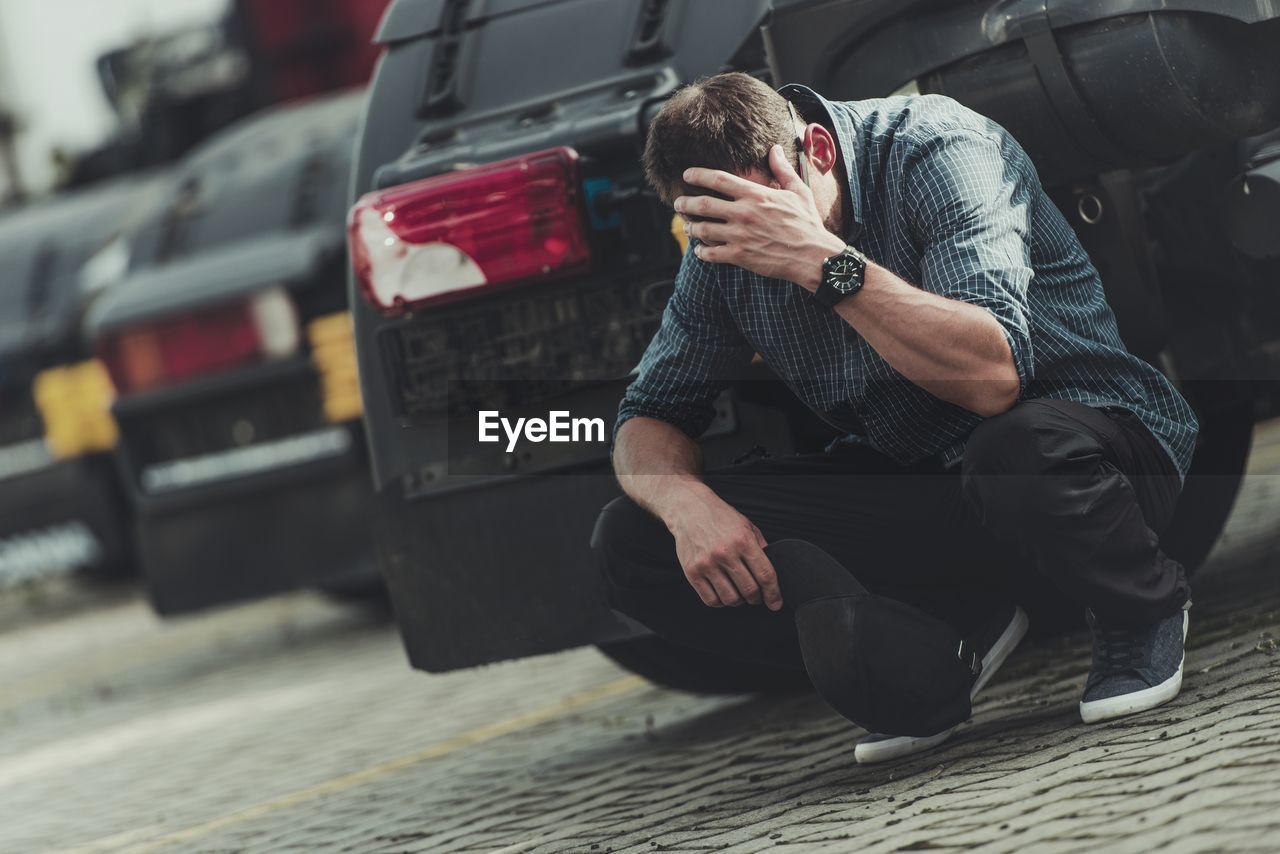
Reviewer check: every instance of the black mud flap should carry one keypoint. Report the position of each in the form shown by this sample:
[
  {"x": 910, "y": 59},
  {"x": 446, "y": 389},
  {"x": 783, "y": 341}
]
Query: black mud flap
[
  {"x": 307, "y": 533},
  {"x": 505, "y": 571}
]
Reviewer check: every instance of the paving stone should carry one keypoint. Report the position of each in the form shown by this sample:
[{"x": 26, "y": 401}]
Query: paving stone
[{"x": 285, "y": 726}]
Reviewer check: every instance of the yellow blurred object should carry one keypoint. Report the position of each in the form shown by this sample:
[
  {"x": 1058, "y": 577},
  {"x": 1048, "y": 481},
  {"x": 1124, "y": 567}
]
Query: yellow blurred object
[
  {"x": 677, "y": 231},
  {"x": 333, "y": 350},
  {"x": 75, "y": 403}
]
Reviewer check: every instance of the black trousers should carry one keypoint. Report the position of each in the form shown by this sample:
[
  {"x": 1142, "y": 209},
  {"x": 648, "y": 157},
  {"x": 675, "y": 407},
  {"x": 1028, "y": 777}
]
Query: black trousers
[{"x": 1053, "y": 500}]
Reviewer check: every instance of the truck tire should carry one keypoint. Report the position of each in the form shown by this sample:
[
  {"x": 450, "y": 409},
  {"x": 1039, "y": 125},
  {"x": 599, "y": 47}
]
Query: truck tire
[
  {"x": 1212, "y": 484},
  {"x": 698, "y": 672}
]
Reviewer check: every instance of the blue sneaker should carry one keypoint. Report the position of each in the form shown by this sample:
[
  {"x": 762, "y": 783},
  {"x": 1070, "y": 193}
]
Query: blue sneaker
[
  {"x": 995, "y": 640},
  {"x": 1134, "y": 669}
]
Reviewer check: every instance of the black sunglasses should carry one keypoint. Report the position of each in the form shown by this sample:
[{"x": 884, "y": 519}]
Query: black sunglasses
[{"x": 800, "y": 159}]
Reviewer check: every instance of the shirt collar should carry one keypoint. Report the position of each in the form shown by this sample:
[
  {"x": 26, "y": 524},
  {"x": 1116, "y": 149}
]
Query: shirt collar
[{"x": 816, "y": 108}]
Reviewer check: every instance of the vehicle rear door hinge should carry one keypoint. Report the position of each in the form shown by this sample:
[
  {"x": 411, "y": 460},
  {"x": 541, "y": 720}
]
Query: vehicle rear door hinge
[
  {"x": 443, "y": 91},
  {"x": 650, "y": 41}
]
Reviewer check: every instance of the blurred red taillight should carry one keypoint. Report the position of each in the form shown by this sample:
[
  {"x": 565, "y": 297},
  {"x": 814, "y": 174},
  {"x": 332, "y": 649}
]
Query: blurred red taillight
[
  {"x": 215, "y": 339},
  {"x": 516, "y": 221}
]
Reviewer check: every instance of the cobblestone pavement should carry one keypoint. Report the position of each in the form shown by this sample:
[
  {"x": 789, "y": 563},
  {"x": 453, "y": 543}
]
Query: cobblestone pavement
[{"x": 295, "y": 724}]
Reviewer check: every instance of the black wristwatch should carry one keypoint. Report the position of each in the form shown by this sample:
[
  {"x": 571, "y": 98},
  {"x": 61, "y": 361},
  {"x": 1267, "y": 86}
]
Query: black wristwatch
[{"x": 842, "y": 277}]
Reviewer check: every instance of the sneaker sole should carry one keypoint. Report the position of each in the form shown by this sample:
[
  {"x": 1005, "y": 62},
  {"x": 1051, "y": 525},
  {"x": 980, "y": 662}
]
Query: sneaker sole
[
  {"x": 872, "y": 752},
  {"x": 1096, "y": 711}
]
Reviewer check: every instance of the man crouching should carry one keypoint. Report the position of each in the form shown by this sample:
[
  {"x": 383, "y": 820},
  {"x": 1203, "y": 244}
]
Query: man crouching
[{"x": 898, "y": 264}]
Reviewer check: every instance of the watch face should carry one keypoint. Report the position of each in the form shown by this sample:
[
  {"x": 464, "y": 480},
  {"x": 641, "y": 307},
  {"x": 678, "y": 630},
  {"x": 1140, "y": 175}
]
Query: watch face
[
  {"x": 843, "y": 267},
  {"x": 843, "y": 273}
]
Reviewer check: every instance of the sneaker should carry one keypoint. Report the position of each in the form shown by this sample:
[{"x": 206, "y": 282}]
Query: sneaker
[
  {"x": 1134, "y": 669},
  {"x": 996, "y": 639}
]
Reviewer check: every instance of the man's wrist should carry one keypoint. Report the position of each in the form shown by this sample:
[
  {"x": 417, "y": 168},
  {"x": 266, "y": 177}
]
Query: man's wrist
[
  {"x": 685, "y": 494},
  {"x": 809, "y": 260}
]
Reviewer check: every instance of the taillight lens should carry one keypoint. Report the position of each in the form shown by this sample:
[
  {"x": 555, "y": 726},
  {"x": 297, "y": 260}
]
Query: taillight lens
[
  {"x": 516, "y": 221},
  {"x": 215, "y": 339}
]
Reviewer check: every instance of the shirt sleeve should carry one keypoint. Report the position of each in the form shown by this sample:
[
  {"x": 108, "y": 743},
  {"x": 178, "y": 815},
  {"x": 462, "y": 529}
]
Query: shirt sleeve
[
  {"x": 969, "y": 202},
  {"x": 692, "y": 358}
]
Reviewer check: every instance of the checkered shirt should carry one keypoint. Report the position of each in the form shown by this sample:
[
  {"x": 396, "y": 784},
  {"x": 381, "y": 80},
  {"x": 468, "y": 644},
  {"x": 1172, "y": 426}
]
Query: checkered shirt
[{"x": 947, "y": 200}]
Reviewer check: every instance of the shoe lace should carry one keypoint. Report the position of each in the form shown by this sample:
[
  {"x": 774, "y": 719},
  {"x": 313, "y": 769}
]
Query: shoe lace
[{"x": 1118, "y": 650}]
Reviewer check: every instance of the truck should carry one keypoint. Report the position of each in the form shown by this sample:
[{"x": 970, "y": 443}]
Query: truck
[
  {"x": 229, "y": 349},
  {"x": 61, "y": 506},
  {"x": 171, "y": 91},
  {"x": 507, "y": 255}
]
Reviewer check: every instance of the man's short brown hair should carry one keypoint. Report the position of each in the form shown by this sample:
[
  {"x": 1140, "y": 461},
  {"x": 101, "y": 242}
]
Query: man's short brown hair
[{"x": 727, "y": 122}]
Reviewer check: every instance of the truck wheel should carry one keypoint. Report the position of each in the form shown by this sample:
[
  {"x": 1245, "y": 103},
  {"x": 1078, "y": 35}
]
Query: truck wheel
[
  {"x": 697, "y": 672},
  {"x": 1209, "y": 493}
]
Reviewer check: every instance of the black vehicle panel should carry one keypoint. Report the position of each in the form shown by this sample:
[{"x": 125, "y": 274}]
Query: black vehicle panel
[
  {"x": 1085, "y": 86},
  {"x": 597, "y": 103},
  {"x": 43, "y": 249},
  {"x": 494, "y": 568}
]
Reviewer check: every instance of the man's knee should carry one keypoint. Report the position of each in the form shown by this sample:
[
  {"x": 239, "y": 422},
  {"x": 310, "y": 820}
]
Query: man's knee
[
  {"x": 1014, "y": 464},
  {"x": 630, "y": 543},
  {"x": 619, "y": 524},
  {"x": 1015, "y": 442}
]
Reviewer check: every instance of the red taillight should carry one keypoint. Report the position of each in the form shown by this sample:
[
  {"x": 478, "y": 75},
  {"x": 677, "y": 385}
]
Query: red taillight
[
  {"x": 515, "y": 221},
  {"x": 216, "y": 339}
]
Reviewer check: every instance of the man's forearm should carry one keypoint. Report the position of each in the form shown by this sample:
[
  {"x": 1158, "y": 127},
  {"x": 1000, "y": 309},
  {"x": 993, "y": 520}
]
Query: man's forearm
[
  {"x": 720, "y": 550},
  {"x": 951, "y": 349},
  {"x": 955, "y": 351},
  {"x": 658, "y": 467}
]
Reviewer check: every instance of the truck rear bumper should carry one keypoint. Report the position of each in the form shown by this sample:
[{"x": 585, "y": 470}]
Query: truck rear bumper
[
  {"x": 504, "y": 570},
  {"x": 306, "y": 526},
  {"x": 61, "y": 517}
]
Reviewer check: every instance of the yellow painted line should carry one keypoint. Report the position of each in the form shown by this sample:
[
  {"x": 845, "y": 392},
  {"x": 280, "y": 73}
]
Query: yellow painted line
[
  {"x": 110, "y": 843},
  {"x": 333, "y": 786}
]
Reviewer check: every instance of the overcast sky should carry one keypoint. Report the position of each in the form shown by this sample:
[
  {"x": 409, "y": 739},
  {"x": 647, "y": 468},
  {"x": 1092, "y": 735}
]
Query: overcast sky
[{"x": 47, "y": 76}]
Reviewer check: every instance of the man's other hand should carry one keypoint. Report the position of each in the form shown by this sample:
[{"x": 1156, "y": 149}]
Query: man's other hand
[{"x": 722, "y": 554}]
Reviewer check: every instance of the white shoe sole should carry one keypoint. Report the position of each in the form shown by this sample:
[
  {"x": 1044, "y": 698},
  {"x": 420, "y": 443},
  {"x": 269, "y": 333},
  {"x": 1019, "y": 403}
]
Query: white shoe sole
[
  {"x": 1096, "y": 711},
  {"x": 884, "y": 750}
]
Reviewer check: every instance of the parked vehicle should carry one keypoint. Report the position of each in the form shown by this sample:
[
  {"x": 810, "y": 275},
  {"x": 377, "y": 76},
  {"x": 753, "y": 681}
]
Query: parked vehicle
[
  {"x": 229, "y": 346},
  {"x": 61, "y": 506},
  {"x": 171, "y": 91},
  {"x": 498, "y": 138},
  {"x": 61, "y": 503}
]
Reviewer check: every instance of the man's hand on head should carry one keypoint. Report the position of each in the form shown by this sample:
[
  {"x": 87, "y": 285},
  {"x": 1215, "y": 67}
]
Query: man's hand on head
[{"x": 776, "y": 232}]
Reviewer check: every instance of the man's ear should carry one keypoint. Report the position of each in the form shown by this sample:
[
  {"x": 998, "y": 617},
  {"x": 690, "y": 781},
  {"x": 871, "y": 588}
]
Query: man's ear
[{"x": 821, "y": 146}]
